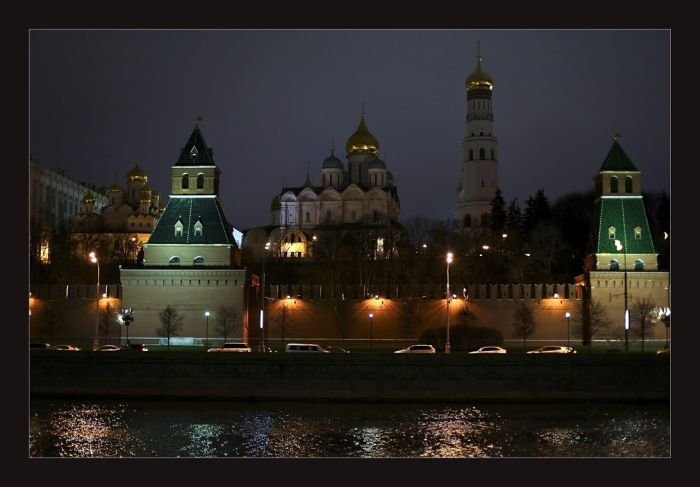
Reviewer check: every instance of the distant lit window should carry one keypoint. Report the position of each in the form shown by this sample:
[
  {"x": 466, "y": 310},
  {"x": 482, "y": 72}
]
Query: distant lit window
[
  {"x": 613, "y": 184},
  {"x": 611, "y": 233},
  {"x": 637, "y": 233}
]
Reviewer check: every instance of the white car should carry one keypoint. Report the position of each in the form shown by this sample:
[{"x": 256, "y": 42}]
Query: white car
[
  {"x": 418, "y": 348},
  {"x": 108, "y": 348},
  {"x": 231, "y": 347},
  {"x": 65, "y": 348},
  {"x": 490, "y": 349},
  {"x": 553, "y": 349}
]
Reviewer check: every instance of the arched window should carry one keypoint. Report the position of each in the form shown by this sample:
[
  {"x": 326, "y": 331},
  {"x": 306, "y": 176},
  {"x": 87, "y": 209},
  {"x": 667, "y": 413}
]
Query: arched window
[
  {"x": 485, "y": 220},
  {"x": 471, "y": 154},
  {"x": 198, "y": 228},
  {"x": 611, "y": 233},
  {"x": 328, "y": 216},
  {"x": 199, "y": 260},
  {"x": 185, "y": 181},
  {"x": 467, "y": 221},
  {"x": 493, "y": 155},
  {"x": 637, "y": 233},
  {"x": 306, "y": 217},
  {"x": 174, "y": 260},
  {"x": 200, "y": 181},
  {"x": 628, "y": 184},
  {"x": 614, "y": 265},
  {"x": 639, "y": 265},
  {"x": 613, "y": 184},
  {"x": 482, "y": 153}
]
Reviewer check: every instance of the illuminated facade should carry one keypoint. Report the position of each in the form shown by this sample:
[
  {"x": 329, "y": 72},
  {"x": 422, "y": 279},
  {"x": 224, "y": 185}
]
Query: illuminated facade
[
  {"x": 360, "y": 192},
  {"x": 479, "y": 180}
]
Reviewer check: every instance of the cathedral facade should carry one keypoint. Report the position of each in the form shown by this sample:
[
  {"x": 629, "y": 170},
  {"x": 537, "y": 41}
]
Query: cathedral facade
[{"x": 359, "y": 192}]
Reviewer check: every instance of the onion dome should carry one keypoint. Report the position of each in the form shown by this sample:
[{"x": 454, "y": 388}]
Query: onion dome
[
  {"x": 362, "y": 141},
  {"x": 275, "y": 205},
  {"x": 332, "y": 162},
  {"x": 115, "y": 188},
  {"x": 377, "y": 163},
  {"x": 136, "y": 174},
  {"x": 88, "y": 198},
  {"x": 479, "y": 79}
]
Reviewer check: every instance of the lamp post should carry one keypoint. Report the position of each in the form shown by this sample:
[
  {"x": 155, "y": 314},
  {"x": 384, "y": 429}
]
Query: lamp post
[
  {"x": 127, "y": 317},
  {"x": 568, "y": 328},
  {"x": 619, "y": 246},
  {"x": 262, "y": 304},
  {"x": 206, "y": 339},
  {"x": 96, "y": 339},
  {"x": 371, "y": 317},
  {"x": 448, "y": 259}
]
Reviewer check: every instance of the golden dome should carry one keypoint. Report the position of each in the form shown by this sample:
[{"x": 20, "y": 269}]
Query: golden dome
[
  {"x": 136, "y": 173},
  {"x": 115, "y": 187},
  {"x": 479, "y": 78},
  {"x": 88, "y": 198},
  {"x": 362, "y": 141}
]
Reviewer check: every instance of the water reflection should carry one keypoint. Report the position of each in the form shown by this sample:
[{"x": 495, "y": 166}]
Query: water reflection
[{"x": 206, "y": 429}]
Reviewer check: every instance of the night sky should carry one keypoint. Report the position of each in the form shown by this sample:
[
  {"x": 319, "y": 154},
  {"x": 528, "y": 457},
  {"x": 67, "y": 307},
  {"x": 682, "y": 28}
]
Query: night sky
[{"x": 273, "y": 100}]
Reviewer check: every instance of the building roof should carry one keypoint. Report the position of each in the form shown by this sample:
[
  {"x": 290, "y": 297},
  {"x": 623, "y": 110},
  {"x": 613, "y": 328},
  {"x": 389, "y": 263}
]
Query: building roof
[
  {"x": 136, "y": 173},
  {"x": 332, "y": 162},
  {"x": 624, "y": 214},
  {"x": 216, "y": 229},
  {"x": 617, "y": 160},
  {"x": 479, "y": 78},
  {"x": 195, "y": 152},
  {"x": 362, "y": 140}
]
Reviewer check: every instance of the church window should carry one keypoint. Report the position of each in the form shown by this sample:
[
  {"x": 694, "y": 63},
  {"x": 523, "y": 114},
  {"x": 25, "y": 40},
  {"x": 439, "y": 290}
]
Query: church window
[
  {"x": 185, "y": 181},
  {"x": 628, "y": 184},
  {"x": 174, "y": 260},
  {"x": 200, "y": 181},
  {"x": 482, "y": 154},
  {"x": 613, "y": 184},
  {"x": 199, "y": 260},
  {"x": 637, "y": 233},
  {"x": 471, "y": 154},
  {"x": 306, "y": 217},
  {"x": 198, "y": 228},
  {"x": 639, "y": 265},
  {"x": 611, "y": 233}
]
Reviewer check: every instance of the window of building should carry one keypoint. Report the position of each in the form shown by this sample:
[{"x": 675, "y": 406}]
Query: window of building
[
  {"x": 353, "y": 216},
  {"x": 200, "y": 181},
  {"x": 637, "y": 233},
  {"x": 485, "y": 220},
  {"x": 198, "y": 228},
  {"x": 328, "y": 216},
  {"x": 185, "y": 181},
  {"x": 639, "y": 265},
  {"x": 471, "y": 154},
  {"x": 178, "y": 228},
  {"x": 376, "y": 216},
  {"x": 493, "y": 155},
  {"x": 307, "y": 217},
  {"x": 613, "y": 184},
  {"x": 614, "y": 265},
  {"x": 199, "y": 260},
  {"x": 611, "y": 233},
  {"x": 482, "y": 153},
  {"x": 175, "y": 260},
  {"x": 628, "y": 184},
  {"x": 481, "y": 134}
]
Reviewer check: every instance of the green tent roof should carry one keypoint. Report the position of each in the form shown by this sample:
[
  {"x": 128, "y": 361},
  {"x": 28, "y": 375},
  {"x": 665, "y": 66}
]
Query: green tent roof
[
  {"x": 196, "y": 152},
  {"x": 617, "y": 160},
  {"x": 215, "y": 227},
  {"x": 624, "y": 214}
]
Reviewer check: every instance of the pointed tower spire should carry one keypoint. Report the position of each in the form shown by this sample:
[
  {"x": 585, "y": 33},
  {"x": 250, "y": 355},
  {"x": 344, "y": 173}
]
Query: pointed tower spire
[
  {"x": 478, "y": 51},
  {"x": 198, "y": 120},
  {"x": 307, "y": 183},
  {"x": 617, "y": 136},
  {"x": 332, "y": 146}
]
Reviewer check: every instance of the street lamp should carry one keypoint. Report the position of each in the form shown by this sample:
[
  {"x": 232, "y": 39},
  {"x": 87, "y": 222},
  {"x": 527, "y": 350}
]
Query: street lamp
[
  {"x": 371, "y": 316},
  {"x": 568, "y": 328},
  {"x": 206, "y": 340},
  {"x": 619, "y": 246},
  {"x": 95, "y": 340},
  {"x": 262, "y": 305},
  {"x": 126, "y": 318},
  {"x": 448, "y": 348}
]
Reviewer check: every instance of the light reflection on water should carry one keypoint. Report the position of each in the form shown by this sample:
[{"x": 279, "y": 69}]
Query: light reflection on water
[{"x": 216, "y": 429}]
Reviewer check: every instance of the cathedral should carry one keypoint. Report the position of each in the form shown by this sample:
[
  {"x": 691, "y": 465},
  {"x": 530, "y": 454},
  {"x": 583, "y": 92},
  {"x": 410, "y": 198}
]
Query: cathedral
[
  {"x": 479, "y": 180},
  {"x": 359, "y": 192}
]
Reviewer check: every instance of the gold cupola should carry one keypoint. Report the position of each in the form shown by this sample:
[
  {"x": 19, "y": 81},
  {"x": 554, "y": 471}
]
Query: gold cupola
[
  {"x": 479, "y": 79},
  {"x": 136, "y": 174},
  {"x": 362, "y": 141}
]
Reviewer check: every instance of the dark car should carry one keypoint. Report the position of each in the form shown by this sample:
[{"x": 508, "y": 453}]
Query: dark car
[
  {"x": 39, "y": 346},
  {"x": 136, "y": 347}
]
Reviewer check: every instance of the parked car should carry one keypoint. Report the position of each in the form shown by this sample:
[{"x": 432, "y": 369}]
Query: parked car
[
  {"x": 135, "y": 347},
  {"x": 305, "y": 347},
  {"x": 231, "y": 347},
  {"x": 39, "y": 346},
  {"x": 418, "y": 348},
  {"x": 108, "y": 348},
  {"x": 490, "y": 349},
  {"x": 553, "y": 349},
  {"x": 337, "y": 350},
  {"x": 664, "y": 351},
  {"x": 65, "y": 348}
]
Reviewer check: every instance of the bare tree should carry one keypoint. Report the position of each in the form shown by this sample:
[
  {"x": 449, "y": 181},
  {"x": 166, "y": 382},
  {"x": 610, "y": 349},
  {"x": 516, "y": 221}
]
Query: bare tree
[
  {"x": 599, "y": 321},
  {"x": 226, "y": 319},
  {"x": 341, "y": 310},
  {"x": 643, "y": 311},
  {"x": 523, "y": 321},
  {"x": 108, "y": 322},
  {"x": 408, "y": 316},
  {"x": 171, "y": 322}
]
